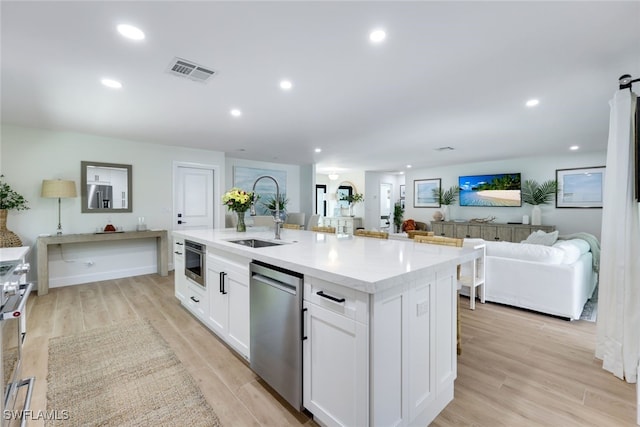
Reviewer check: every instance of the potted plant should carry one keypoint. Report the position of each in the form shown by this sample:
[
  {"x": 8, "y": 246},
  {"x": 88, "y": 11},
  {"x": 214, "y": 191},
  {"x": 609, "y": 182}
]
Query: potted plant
[
  {"x": 398, "y": 213},
  {"x": 270, "y": 205},
  {"x": 446, "y": 198},
  {"x": 536, "y": 194},
  {"x": 9, "y": 200},
  {"x": 353, "y": 199}
]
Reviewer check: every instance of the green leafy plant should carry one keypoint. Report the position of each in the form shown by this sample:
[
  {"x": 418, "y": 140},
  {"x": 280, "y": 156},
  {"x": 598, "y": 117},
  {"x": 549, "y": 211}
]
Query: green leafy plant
[
  {"x": 353, "y": 198},
  {"x": 398, "y": 213},
  {"x": 446, "y": 197},
  {"x": 270, "y": 202},
  {"x": 9, "y": 199},
  {"x": 538, "y": 194}
]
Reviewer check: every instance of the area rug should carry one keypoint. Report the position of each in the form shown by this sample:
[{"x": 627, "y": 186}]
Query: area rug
[
  {"x": 121, "y": 375},
  {"x": 590, "y": 311}
]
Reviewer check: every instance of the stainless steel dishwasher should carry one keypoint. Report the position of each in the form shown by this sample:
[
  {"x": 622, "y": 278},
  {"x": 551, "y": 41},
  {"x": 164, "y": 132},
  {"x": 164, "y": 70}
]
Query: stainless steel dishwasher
[{"x": 276, "y": 329}]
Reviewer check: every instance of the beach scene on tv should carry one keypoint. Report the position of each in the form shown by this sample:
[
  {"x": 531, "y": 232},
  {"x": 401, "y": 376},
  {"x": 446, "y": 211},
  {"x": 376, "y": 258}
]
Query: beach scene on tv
[{"x": 490, "y": 190}]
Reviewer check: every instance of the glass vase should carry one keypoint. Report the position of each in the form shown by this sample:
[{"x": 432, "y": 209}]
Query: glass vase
[{"x": 240, "y": 225}]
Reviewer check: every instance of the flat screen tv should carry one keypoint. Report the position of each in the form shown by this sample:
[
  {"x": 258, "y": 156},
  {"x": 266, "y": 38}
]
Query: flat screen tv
[{"x": 500, "y": 189}]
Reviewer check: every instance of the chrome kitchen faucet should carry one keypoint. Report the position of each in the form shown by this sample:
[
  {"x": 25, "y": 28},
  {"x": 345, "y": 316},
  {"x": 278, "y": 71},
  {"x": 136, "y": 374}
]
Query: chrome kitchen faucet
[{"x": 276, "y": 218}]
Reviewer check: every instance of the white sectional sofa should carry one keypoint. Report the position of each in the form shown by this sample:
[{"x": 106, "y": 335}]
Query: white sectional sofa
[{"x": 556, "y": 279}]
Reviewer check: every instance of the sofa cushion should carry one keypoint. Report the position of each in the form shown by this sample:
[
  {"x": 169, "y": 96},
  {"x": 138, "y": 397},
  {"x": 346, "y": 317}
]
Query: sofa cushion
[
  {"x": 539, "y": 237},
  {"x": 573, "y": 249},
  {"x": 526, "y": 252}
]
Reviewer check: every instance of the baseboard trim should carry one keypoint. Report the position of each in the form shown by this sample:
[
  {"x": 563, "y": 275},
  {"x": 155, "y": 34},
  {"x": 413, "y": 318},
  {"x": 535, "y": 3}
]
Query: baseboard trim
[{"x": 97, "y": 277}]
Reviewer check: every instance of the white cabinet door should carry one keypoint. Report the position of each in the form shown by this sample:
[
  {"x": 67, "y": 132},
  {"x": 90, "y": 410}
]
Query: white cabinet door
[
  {"x": 218, "y": 300},
  {"x": 180, "y": 280},
  {"x": 335, "y": 368},
  {"x": 238, "y": 322},
  {"x": 228, "y": 286}
]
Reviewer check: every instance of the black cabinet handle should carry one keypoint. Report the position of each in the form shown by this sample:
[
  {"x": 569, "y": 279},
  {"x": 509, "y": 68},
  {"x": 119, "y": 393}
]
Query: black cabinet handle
[
  {"x": 222, "y": 274},
  {"x": 177, "y": 253},
  {"x": 323, "y": 295},
  {"x": 179, "y": 243},
  {"x": 303, "y": 336},
  {"x": 194, "y": 299}
]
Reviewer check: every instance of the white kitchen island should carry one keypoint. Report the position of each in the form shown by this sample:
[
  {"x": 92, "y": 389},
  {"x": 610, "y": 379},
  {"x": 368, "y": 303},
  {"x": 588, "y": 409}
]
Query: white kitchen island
[{"x": 384, "y": 354}]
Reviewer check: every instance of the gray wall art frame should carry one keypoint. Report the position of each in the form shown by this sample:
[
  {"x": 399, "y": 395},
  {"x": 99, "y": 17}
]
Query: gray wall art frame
[
  {"x": 423, "y": 193},
  {"x": 580, "y": 187}
]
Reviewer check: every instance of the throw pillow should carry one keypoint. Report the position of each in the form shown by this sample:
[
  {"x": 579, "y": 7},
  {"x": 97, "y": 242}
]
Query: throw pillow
[
  {"x": 539, "y": 237},
  {"x": 409, "y": 225}
]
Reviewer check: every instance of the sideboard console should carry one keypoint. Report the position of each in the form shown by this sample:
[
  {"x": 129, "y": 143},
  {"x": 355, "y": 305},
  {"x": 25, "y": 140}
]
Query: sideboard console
[
  {"x": 343, "y": 224},
  {"x": 487, "y": 231}
]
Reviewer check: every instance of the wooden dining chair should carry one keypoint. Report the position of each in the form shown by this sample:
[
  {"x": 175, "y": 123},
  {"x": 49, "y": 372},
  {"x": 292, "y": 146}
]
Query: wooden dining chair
[
  {"x": 448, "y": 241},
  {"x": 371, "y": 233},
  {"x": 413, "y": 233},
  {"x": 323, "y": 229},
  {"x": 292, "y": 226}
]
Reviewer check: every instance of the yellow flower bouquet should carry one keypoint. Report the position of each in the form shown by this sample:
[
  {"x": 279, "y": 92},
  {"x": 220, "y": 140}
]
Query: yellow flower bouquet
[{"x": 237, "y": 200}]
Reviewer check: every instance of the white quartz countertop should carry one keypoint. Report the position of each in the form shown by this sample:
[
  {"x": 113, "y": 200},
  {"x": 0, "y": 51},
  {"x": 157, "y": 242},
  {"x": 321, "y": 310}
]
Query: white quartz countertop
[{"x": 363, "y": 263}]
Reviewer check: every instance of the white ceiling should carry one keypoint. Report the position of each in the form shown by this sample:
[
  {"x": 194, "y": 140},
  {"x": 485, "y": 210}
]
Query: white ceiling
[{"x": 449, "y": 74}]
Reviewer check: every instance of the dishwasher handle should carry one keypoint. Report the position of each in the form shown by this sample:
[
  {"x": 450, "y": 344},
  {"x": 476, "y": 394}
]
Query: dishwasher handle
[{"x": 278, "y": 285}]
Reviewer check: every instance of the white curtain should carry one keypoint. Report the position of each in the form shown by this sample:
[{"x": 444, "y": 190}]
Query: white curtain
[{"x": 618, "y": 328}]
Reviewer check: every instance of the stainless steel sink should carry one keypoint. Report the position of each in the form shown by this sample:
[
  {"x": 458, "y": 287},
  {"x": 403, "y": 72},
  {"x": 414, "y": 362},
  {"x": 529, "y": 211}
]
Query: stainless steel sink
[{"x": 255, "y": 243}]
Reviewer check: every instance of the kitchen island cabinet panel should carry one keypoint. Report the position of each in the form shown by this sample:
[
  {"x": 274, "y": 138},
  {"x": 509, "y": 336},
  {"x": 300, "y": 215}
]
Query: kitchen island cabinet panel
[
  {"x": 178, "y": 271},
  {"x": 228, "y": 287},
  {"x": 335, "y": 368}
]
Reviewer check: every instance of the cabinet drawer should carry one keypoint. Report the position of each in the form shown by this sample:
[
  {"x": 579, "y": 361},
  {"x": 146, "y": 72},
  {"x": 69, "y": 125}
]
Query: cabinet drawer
[
  {"x": 339, "y": 299},
  {"x": 196, "y": 300}
]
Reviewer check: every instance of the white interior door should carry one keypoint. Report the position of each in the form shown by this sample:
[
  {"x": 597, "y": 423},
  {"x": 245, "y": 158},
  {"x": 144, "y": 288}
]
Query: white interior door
[
  {"x": 194, "y": 204},
  {"x": 385, "y": 204}
]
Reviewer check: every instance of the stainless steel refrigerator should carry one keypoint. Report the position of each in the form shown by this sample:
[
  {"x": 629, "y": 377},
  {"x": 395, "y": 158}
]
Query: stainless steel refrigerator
[{"x": 100, "y": 196}]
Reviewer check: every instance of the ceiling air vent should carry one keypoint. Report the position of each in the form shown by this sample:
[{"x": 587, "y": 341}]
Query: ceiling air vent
[{"x": 190, "y": 70}]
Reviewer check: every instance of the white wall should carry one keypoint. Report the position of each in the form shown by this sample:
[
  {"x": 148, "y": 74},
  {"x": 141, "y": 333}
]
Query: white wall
[
  {"x": 30, "y": 155},
  {"x": 540, "y": 169}
]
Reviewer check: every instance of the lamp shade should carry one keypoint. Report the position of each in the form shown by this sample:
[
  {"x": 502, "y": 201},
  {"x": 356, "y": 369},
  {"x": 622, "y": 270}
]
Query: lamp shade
[{"x": 58, "y": 188}]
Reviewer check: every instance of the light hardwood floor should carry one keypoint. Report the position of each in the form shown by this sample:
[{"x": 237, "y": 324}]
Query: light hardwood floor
[{"x": 516, "y": 369}]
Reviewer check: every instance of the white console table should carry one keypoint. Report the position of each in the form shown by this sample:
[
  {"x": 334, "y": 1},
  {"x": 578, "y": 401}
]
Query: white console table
[
  {"x": 44, "y": 242},
  {"x": 343, "y": 224}
]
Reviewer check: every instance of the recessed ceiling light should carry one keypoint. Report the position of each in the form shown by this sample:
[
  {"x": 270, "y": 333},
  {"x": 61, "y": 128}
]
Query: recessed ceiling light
[
  {"x": 113, "y": 84},
  {"x": 130, "y": 32},
  {"x": 286, "y": 85},
  {"x": 574, "y": 147},
  {"x": 377, "y": 36},
  {"x": 408, "y": 166},
  {"x": 236, "y": 113},
  {"x": 318, "y": 150},
  {"x": 333, "y": 176},
  {"x": 532, "y": 103}
]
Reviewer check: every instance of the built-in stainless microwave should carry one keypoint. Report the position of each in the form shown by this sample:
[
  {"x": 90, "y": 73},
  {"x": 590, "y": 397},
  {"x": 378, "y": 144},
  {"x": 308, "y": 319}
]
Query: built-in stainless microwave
[{"x": 195, "y": 255}]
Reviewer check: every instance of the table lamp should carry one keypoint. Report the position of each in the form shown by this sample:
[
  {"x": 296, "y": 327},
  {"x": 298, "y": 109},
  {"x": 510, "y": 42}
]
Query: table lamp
[{"x": 61, "y": 189}]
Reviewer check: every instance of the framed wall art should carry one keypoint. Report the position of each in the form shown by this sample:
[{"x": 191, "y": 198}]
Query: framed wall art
[
  {"x": 402, "y": 191},
  {"x": 424, "y": 195},
  {"x": 580, "y": 187}
]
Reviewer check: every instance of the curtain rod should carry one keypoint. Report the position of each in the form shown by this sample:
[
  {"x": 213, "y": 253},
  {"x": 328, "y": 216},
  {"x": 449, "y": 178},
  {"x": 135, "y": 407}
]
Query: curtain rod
[{"x": 625, "y": 81}]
